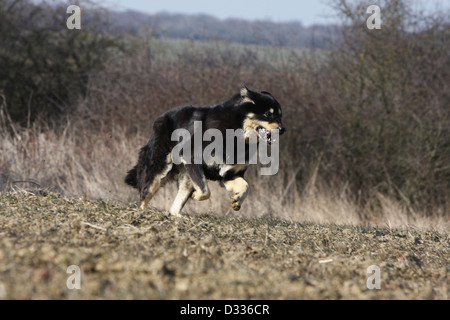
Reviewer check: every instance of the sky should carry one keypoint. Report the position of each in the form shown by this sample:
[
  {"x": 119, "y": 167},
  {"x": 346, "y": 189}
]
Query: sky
[{"x": 306, "y": 11}]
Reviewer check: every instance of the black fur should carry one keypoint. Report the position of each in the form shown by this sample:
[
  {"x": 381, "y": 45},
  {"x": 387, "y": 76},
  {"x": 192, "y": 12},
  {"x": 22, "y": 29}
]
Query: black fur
[{"x": 230, "y": 114}]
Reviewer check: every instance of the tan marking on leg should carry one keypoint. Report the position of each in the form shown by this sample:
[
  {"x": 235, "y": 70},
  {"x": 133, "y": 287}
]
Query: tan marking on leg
[
  {"x": 199, "y": 194},
  {"x": 152, "y": 190},
  {"x": 239, "y": 187},
  {"x": 156, "y": 183}
]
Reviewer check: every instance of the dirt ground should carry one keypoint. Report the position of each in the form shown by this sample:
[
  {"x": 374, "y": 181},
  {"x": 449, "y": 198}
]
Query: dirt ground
[{"x": 125, "y": 253}]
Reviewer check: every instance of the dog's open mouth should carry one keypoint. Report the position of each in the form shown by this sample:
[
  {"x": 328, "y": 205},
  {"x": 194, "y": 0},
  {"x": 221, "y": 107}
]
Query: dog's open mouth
[{"x": 266, "y": 135}]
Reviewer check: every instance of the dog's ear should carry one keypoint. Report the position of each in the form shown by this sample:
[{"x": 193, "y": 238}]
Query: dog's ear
[{"x": 246, "y": 95}]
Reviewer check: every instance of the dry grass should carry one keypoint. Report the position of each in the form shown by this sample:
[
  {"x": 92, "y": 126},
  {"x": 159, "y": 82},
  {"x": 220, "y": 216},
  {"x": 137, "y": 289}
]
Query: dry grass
[
  {"x": 125, "y": 253},
  {"x": 72, "y": 162},
  {"x": 75, "y": 163}
]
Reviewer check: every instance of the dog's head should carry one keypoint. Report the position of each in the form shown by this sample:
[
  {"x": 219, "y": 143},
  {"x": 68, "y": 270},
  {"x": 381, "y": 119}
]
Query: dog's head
[{"x": 262, "y": 114}]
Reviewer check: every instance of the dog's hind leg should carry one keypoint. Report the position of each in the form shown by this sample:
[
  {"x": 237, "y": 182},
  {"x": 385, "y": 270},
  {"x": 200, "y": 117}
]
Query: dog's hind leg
[
  {"x": 239, "y": 188},
  {"x": 198, "y": 178},
  {"x": 154, "y": 162},
  {"x": 153, "y": 182},
  {"x": 148, "y": 195},
  {"x": 185, "y": 189}
]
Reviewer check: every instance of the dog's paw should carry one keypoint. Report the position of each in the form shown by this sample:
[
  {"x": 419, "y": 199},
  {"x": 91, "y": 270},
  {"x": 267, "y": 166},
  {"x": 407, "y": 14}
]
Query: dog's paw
[
  {"x": 175, "y": 214},
  {"x": 235, "y": 205},
  {"x": 199, "y": 196}
]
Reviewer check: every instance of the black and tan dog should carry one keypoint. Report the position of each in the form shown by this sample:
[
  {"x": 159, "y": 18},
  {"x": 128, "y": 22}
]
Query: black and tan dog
[{"x": 251, "y": 111}]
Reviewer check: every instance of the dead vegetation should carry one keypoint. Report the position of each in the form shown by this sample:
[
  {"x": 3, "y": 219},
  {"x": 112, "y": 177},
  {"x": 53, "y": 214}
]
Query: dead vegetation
[
  {"x": 364, "y": 171},
  {"x": 368, "y": 122},
  {"x": 125, "y": 253}
]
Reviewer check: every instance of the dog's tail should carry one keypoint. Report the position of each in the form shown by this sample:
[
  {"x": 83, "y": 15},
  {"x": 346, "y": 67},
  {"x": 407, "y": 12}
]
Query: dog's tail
[
  {"x": 152, "y": 156},
  {"x": 131, "y": 177},
  {"x": 136, "y": 175}
]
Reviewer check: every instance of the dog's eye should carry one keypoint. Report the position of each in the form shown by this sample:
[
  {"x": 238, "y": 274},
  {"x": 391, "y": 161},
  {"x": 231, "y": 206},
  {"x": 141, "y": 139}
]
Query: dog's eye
[{"x": 268, "y": 114}]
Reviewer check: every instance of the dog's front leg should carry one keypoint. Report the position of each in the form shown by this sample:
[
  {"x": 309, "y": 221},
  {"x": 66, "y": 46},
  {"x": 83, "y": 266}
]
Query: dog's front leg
[
  {"x": 239, "y": 188},
  {"x": 185, "y": 189}
]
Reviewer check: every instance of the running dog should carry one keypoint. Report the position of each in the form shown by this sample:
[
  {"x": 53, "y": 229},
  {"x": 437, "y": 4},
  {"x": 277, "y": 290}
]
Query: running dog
[{"x": 253, "y": 113}]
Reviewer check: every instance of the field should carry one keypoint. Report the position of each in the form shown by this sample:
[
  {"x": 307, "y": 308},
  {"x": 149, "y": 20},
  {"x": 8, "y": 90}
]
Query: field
[
  {"x": 364, "y": 170},
  {"x": 126, "y": 253}
]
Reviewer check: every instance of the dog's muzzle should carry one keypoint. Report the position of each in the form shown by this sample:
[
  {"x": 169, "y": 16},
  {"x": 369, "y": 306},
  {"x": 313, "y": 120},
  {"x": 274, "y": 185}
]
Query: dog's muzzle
[{"x": 266, "y": 134}]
